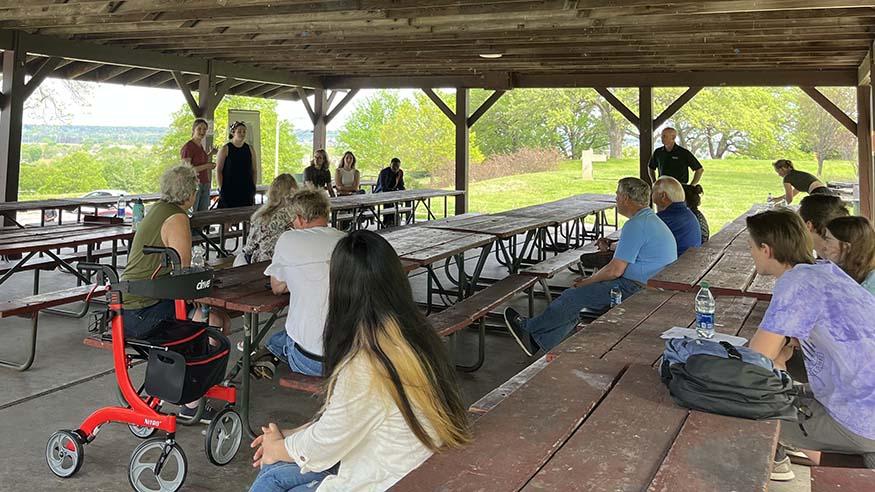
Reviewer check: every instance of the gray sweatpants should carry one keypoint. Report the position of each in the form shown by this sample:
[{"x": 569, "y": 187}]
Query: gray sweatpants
[{"x": 825, "y": 434}]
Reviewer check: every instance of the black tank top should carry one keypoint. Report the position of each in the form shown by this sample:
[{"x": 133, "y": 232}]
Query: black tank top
[{"x": 238, "y": 182}]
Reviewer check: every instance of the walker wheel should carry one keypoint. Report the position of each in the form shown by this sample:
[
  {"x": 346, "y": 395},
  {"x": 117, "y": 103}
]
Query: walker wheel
[
  {"x": 65, "y": 453},
  {"x": 157, "y": 465},
  {"x": 223, "y": 437},
  {"x": 141, "y": 432}
]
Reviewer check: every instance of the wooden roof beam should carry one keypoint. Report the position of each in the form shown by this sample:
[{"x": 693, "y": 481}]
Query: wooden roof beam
[
  {"x": 675, "y": 106},
  {"x": 831, "y": 108},
  {"x": 618, "y": 105},
  {"x": 436, "y": 99}
]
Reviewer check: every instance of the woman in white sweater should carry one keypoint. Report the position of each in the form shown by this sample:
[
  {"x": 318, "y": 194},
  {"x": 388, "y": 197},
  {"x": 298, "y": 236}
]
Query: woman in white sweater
[{"x": 392, "y": 393}]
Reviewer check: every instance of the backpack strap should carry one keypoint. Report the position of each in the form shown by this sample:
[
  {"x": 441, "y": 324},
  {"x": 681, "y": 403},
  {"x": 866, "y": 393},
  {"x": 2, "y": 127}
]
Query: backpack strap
[{"x": 731, "y": 351}]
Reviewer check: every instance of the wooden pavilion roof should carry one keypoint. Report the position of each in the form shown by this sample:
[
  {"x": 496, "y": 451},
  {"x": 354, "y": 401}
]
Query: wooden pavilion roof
[{"x": 391, "y": 43}]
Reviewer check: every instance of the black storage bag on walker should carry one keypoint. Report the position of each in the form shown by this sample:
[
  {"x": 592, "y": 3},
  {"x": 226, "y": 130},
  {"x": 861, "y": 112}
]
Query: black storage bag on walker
[{"x": 190, "y": 366}]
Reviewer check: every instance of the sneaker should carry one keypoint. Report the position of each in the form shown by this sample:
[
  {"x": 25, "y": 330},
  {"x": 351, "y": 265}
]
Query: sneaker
[
  {"x": 189, "y": 413},
  {"x": 513, "y": 321},
  {"x": 796, "y": 453},
  {"x": 781, "y": 471}
]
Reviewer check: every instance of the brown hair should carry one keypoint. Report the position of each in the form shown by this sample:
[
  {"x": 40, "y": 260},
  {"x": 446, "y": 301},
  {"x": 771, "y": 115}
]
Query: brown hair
[
  {"x": 324, "y": 159},
  {"x": 199, "y": 121},
  {"x": 857, "y": 245},
  {"x": 820, "y": 209},
  {"x": 785, "y": 233},
  {"x": 783, "y": 164}
]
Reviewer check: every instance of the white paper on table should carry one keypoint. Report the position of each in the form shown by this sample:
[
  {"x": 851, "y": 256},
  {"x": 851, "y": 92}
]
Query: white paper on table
[{"x": 678, "y": 332}]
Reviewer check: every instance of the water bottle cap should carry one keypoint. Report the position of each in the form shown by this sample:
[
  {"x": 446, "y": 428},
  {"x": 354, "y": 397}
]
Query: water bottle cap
[{"x": 704, "y": 285}]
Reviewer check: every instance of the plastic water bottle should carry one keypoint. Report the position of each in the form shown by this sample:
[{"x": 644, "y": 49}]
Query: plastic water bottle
[
  {"x": 770, "y": 203},
  {"x": 705, "y": 306},
  {"x": 616, "y": 296},
  {"x": 121, "y": 205},
  {"x": 139, "y": 212},
  {"x": 197, "y": 257}
]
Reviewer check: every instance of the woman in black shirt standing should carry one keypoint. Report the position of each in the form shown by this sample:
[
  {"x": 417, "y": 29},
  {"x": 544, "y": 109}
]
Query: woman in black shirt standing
[
  {"x": 798, "y": 181},
  {"x": 236, "y": 166}
]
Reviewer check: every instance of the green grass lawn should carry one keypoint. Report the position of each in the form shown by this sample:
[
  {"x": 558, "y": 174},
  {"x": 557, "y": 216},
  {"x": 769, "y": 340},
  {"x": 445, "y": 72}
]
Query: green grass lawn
[{"x": 731, "y": 185}]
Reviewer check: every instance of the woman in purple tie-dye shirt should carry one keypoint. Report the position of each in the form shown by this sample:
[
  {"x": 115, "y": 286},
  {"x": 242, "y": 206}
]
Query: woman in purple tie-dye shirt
[{"x": 832, "y": 318}]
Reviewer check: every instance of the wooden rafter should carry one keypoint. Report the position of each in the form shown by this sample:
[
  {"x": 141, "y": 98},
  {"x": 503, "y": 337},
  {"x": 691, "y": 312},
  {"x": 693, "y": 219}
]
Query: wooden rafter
[
  {"x": 830, "y": 107},
  {"x": 675, "y": 106},
  {"x": 487, "y": 104},
  {"x": 340, "y": 105},
  {"x": 436, "y": 99},
  {"x": 618, "y": 105}
]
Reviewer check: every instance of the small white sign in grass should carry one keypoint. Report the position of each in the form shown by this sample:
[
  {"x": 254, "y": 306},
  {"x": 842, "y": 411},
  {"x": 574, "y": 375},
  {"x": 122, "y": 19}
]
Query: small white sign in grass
[{"x": 587, "y": 157}]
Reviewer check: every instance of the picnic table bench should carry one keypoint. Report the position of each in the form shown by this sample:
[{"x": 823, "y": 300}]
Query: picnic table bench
[
  {"x": 724, "y": 262},
  {"x": 31, "y": 306}
]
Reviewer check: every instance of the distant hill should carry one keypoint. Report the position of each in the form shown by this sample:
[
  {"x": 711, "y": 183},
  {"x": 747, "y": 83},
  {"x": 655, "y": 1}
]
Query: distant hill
[
  {"x": 121, "y": 135},
  {"x": 80, "y": 134}
]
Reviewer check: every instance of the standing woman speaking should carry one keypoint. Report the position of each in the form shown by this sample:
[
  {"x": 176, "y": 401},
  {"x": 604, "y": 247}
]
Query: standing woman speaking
[{"x": 236, "y": 167}]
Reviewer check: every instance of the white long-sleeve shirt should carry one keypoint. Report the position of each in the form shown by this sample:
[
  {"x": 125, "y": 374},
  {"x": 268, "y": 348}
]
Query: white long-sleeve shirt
[{"x": 362, "y": 430}]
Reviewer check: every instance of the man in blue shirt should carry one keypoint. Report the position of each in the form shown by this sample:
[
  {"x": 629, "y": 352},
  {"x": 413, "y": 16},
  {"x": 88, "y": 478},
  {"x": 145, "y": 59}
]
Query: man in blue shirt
[
  {"x": 646, "y": 246},
  {"x": 668, "y": 196}
]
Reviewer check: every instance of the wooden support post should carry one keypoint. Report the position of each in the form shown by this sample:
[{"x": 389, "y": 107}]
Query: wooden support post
[
  {"x": 339, "y": 106},
  {"x": 11, "y": 118},
  {"x": 461, "y": 122},
  {"x": 645, "y": 130},
  {"x": 830, "y": 107},
  {"x": 866, "y": 164},
  {"x": 320, "y": 123}
]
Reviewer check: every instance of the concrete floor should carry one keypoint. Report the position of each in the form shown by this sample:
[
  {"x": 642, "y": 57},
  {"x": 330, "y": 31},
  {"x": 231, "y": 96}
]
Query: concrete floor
[{"x": 69, "y": 380}]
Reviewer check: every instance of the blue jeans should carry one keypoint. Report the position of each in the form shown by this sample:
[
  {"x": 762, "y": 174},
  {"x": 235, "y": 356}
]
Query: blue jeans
[
  {"x": 549, "y": 328},
  {"x": 139, "y": 322},
  {"x": 203, "y": 197},
  {"x": 287, "y": 477},
  {"x": 283, "y": 347}
]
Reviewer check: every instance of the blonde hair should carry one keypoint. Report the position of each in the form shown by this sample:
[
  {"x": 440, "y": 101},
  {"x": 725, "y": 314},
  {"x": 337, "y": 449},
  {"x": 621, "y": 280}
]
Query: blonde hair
[
  {"x": 310, "y": 205},
  {"x": 278, "y": 195},
  {"x": 416, "y": 380}
]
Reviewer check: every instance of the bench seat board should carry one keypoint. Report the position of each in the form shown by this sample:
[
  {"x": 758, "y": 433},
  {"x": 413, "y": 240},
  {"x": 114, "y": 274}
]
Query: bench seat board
[
  {"x": 31, "y": 304},
  {"x": 493, "y": 398},
  {"x": 829, "y": 479},
  {"x": 517, "y": 437}
]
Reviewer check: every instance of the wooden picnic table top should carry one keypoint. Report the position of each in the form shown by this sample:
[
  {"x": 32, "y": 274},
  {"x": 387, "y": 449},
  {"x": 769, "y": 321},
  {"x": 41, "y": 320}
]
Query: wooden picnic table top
[
  {"x": 18, "y": 234},
  {"x": 561, "y": 211},
  {"x": 50, "y": 204},
  {"x": 597, "y": 417},
  {"x": 62, "y": 239},
  {"x": 349, "y": 202},
  {"x": 424, "y": 246},
  {"x": 501, "y": 226},
  {"x": 724, "y": 262}
]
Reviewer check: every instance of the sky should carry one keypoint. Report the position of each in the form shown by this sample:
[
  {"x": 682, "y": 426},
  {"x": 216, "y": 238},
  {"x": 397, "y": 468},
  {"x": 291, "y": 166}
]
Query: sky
[{"x": 118, "y": 105}]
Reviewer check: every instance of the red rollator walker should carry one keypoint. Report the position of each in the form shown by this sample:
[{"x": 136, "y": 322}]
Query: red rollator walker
[{"x": 186, "y": 361}]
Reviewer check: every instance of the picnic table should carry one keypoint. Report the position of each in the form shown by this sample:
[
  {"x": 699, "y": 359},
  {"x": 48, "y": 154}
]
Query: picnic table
[
  {"x": 9, "y": 209},
  {"x": 724, "y": 262},
  {"x": 595, "y": 416},
  {"x": 505, "y": 229},
  {"x": 29, "y": 243},
  {"x": 569, "y": 213},
  {"x": 426, "y": 247},
  {"x": 372, "y": 205}
]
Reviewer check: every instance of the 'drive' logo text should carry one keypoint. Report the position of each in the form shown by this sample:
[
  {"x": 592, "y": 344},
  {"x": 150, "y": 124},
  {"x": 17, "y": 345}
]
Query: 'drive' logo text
[{"x": 203, "y": 284}]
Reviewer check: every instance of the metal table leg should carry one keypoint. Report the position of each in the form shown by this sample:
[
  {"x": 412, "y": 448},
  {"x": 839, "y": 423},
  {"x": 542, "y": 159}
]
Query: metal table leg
[
  {"x": 250, "y": 322},
  {"x": 32, "y": 351}
]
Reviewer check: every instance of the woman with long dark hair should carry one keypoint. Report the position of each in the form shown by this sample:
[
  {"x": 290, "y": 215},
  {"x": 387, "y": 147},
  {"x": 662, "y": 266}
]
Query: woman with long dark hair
[
  {"x": 392, "y": 393},
  {"x": 346, "y": 178}
]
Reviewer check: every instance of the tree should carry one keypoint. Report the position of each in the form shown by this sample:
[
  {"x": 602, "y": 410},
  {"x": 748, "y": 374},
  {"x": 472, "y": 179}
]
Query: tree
[
  {"x": 818, "y": 132},
  {"x": 518, "y": 120},
  {"x": 363, "y": 130},
  {"x": 291, "y": 151},
  {"x": 613, "y": 123},
  {"x": 53, "y": 100}
]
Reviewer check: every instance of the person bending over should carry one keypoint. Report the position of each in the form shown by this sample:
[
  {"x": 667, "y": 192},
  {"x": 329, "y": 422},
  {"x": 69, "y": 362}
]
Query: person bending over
[
  {"x": 828, "y": 314},
  {"x": 645, "y": 247},
  {"x": 671, "y": 206},
  {"x": 796, "y": 182},
  {"x": 850, "y": 244},
  {"x": 817, "y": 211},
  {"x": 392, "y": 396},
  {"x": 270, "y": 221},
  {"x": 299, "y": 267}
]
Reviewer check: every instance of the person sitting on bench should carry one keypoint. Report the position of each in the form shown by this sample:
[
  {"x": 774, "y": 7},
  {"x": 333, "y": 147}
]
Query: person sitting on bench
[
  {"x": 300, "y": 268},
  {"x": 392, "y": 395},
  {"x": 645, "y": 247},
  {"x": 671, "y": 206},
  {"x": 850, "y": 244},
  {"x": 817, "y": 211},
  {"x": 269, "y": 222},
  {"x": 828, "y": 314},
  {"x": 693, "y": 197}
]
